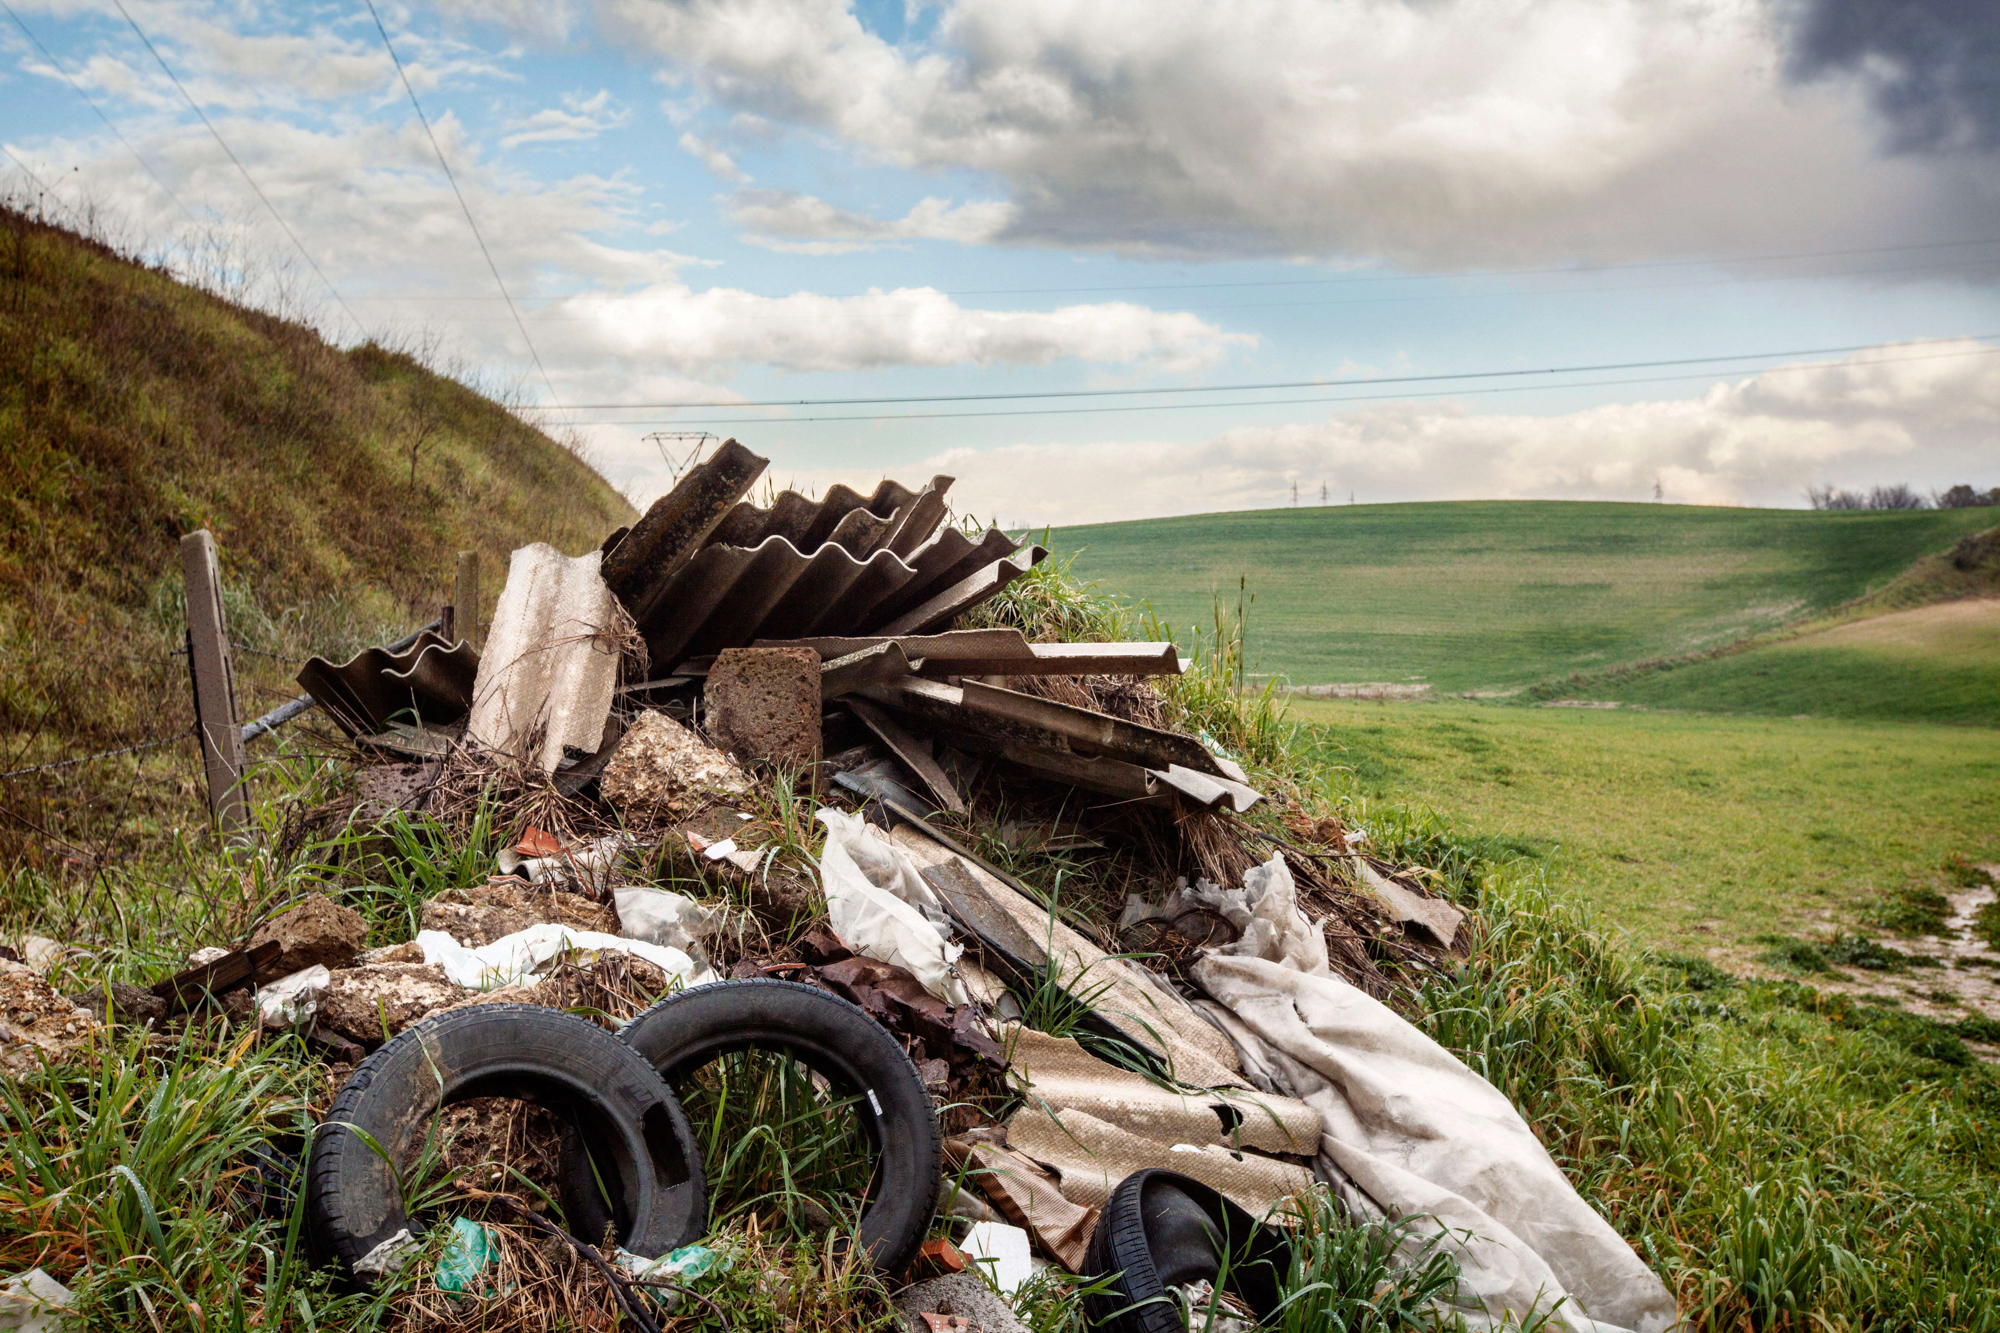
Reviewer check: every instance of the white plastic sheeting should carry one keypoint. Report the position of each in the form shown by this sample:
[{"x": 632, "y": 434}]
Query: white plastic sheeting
[
  {"x": 550, "y": 666},
  {"x": 1419, "y": 1135},
  {"x": 878, "y": 903},
  {"x": 514, "y": 958}
]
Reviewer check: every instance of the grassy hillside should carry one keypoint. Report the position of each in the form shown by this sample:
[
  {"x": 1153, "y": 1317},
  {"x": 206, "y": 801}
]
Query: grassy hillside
[
  {"x": 1499, "y": 594},
  {"x": 1692, "y": 833},
  {"x": 1925, "y": 648},
  {"x": 134, "y": 409}
]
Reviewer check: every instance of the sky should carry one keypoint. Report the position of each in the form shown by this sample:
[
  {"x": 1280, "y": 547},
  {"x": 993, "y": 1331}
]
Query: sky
[{"x": 1703, "y": 251}]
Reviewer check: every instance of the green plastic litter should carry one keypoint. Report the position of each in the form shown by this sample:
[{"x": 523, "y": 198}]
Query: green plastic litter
[
  {"x": 468, "y": 1253},
  {"x": 695, "y": 1261}
]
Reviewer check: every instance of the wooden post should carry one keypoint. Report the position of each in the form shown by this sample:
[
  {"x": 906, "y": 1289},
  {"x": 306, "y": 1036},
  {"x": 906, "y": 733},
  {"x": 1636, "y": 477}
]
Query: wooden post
[
  {"x": 465, "y": 599},
  {"x": 448, "y": 623},
  {"x": 214, "y": 684}
]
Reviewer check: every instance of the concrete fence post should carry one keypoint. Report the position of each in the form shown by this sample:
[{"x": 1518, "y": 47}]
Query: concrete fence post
[{"x": 214, "y": 684}]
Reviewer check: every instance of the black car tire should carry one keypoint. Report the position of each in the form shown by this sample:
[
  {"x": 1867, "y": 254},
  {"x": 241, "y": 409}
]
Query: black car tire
[
  {"x": 621, "y": 1126},
  {"x": 853, "y": 1052},
  {"x": 1161, "y": 1230}
]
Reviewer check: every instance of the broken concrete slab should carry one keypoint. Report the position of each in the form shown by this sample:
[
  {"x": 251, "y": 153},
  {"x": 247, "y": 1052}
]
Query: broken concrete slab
[
  {"x": 662, "y": 771},
  {"x": 504, "y": 906},
  {"x": 762, "y": 705},
  {"x": 368, "y": 1004},
  {"x": 957, "y": 1295},
  {"x": 37, "y": 1023},
  {"x": 1410, "y": 907},
  {"x": 314, "y": 932},
  {"x": 551, "y": 663}
]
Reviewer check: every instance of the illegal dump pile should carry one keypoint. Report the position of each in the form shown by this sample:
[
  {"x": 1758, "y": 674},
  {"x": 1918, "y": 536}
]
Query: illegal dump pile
[{"x": 843, "y": 896}]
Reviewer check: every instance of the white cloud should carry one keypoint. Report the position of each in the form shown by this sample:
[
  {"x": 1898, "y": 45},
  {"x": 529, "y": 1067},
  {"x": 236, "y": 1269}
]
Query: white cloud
[
  {"x": 817, "y": 227},
  {"x": 1880, "y": 416},
  {"x": 578, "y": 119},
  {"x": 1435, "y": 133},
  {"x": 700, "y": 332},
  {"x": 712, "y": 157}
]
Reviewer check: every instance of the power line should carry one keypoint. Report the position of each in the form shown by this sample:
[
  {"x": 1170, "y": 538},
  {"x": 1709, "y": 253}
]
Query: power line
[
  {"x": 1563, "y": 270},
  {"x": 77, "y": 88},
  {"x": 30, "y": 170},
  {"x": 1258, "y": 387},
  {"x": 498, "y": 281},
  {"x": 1269, "y": 402},
  {"x": 247, "y": 178}
]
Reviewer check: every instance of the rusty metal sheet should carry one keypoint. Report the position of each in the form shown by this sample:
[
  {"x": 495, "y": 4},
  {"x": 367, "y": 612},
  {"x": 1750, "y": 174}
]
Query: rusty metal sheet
[
  {"x": 845, "y": 516},
  {"x": 913, "y": 752},
  {"x": 429, "y": 681},
  {"x": 551, "y": 664},
  {"x": 998, "y": 652},
  {"x": 1206, "y": 789},
  {"x": 962, "y": 596},
  {"x": 639, "y": 568},
  {"x": 1010, "y": 713},
  {"x": 947, "y": 559},
  {"x": 869, "y": 666}
]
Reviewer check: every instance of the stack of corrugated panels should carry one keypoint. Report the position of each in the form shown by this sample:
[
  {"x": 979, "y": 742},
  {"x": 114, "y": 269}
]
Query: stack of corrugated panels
[{"x": 706, "y": 569}]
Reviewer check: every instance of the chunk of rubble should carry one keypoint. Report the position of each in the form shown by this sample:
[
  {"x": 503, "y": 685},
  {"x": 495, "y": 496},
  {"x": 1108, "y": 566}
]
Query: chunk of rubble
[
  {"x": 128, "y": 1003},
  {"x": 956, "y": 1300},
  {"x": 763, "y": 705},
  {"x": 661, "y": 771},
  {"x": 37, "y": 951},
  {"x": 505, "y": 906},
  {"x": 315, "y": 932},
  {"x": 37, "y": 1023},
  {"x": 367, "y": 1004}
]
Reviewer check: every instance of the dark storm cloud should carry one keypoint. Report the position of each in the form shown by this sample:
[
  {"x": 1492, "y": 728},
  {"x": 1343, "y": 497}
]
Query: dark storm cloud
[{"x": 1932, "y": 66}]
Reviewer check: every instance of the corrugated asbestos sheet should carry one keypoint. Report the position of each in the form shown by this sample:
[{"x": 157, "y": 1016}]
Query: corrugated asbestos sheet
[
  {"x": 551, "y": 662},
  {"x": 431, "y": 681},
  {"x": 706, "y": 570}
]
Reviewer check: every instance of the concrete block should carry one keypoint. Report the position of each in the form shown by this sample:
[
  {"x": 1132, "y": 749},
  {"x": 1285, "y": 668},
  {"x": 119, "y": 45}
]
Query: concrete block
[
  {"x": 762, "y": 706},
  {"x": 317, "y": 932}
]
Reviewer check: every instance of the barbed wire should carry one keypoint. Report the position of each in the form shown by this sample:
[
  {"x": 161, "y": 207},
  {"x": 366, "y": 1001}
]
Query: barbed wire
[{"x": 102, "y": 754}]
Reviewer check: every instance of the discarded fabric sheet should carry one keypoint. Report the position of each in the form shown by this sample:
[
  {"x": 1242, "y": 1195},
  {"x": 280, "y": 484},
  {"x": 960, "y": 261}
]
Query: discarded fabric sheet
[
  {"x": 1094, "y": 1124},
  {"x": 517, "y": 957},
  {"x": 1420, "y": 1135},
  {"x": 878, "y": 903},
  {"x": 550, "y": 668}
]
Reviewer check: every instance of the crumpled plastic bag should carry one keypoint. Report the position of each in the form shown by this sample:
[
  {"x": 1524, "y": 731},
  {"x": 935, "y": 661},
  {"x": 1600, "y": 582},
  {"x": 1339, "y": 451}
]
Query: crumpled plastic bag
[
  {"x": 292, "y": 1000},
  {"x": 878, "y": 903},
  {"x": 663, "y": 917},
  {"x": 514, "y": 958},
  {"x": 1265, "y": 913}
]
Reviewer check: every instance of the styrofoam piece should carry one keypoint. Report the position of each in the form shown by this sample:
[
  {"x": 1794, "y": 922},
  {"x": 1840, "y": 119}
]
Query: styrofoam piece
[{"x": 1001, "y": 1251}]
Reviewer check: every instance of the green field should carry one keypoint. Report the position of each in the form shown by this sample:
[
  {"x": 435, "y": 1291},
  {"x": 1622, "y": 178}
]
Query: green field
[
  {"x": 1933, "y": 664},
  {"x": 1691, "y": 833},
  {"x": 1494, "y": 595}
]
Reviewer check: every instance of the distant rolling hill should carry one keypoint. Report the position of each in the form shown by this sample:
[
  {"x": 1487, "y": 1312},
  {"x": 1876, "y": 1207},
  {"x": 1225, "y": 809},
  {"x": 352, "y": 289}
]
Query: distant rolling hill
[{"x": 1500, "y": 595}]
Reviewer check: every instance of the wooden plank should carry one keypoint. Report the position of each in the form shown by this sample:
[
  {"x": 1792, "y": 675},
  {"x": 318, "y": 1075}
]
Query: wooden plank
[
  {"x": 214, "y": 684},
  {"x": 238, "y": 967},
  {"x": 465, "y": 600}
]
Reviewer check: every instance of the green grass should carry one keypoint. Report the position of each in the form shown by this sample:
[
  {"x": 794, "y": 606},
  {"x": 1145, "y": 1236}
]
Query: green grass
[
  {"x": 1685, "y": 831},
  {"x": 1482, "y": 595},
  {"x": 1935, "y": 664},
  {"x": 339, "y": 486}
]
